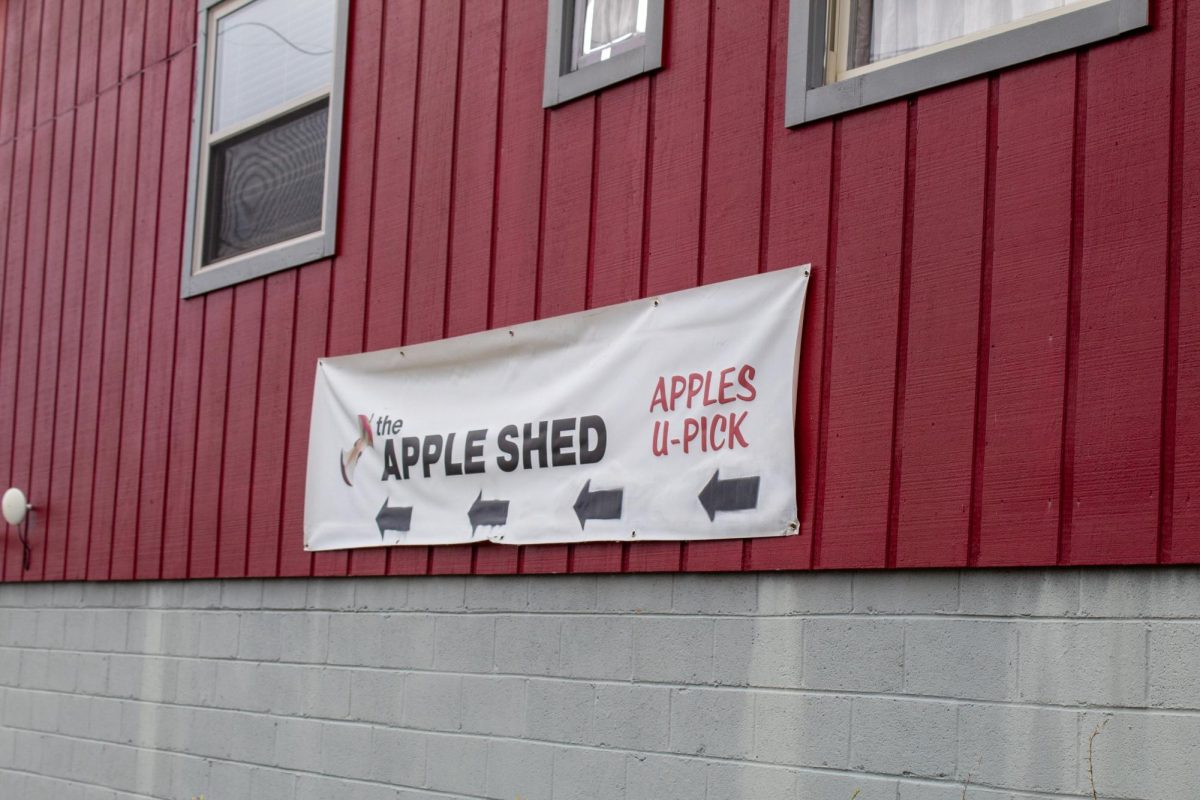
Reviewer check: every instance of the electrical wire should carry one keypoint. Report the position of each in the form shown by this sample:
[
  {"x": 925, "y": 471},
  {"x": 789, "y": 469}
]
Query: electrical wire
[
  {"x": 26, "y": 550},
  {"x": 282, "y": 38}
]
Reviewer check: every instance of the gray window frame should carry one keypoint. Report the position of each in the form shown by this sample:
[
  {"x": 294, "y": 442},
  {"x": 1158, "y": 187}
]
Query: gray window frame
[
  {"x": 810, "y": 98},
  {"x": 562, "y": 84},
  {"x": 198, "y": 279}
]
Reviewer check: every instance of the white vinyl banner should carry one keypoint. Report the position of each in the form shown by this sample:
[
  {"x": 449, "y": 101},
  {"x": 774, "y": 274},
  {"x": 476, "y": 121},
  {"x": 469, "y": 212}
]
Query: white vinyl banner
[{"x": 664, "y": 418}]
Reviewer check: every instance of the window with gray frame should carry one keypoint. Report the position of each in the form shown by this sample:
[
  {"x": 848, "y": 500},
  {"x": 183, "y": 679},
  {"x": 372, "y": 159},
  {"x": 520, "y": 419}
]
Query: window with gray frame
[
  {"x": 262, "y": 181},
  {"x": 591, "y": 44},
  {"x": 845, "y": 54}
]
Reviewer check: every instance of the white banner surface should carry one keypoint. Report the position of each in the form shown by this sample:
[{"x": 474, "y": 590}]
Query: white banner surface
[{"x": 663, "y": 418}]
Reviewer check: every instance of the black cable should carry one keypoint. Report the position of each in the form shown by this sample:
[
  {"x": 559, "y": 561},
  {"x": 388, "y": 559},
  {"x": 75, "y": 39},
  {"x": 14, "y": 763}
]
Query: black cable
[
  {"x": 283, "y": 38},
  {"x": 26, "y": 550}
]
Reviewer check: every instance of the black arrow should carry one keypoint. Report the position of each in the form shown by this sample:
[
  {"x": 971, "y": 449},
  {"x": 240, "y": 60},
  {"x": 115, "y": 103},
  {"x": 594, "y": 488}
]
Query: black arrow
[
  {"x": 487, "y": 512},
  {"x": 735, "y": 494},
  {"x": 598, "y": 505},
  {"x": 393, "y": 518}
]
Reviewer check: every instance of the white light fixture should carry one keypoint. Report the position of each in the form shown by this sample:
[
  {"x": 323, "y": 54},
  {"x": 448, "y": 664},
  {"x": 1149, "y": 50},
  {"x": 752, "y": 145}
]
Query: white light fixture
[{"x": 14, "y": 506}]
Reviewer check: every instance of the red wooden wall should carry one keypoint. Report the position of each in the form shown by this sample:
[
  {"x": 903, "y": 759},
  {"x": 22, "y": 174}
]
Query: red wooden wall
[{"x": 1001, "y": 363}]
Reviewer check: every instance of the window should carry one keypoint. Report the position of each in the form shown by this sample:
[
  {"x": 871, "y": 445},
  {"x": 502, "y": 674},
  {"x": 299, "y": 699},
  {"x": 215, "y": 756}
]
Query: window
[
  {"x": 262, "y": 193},
  {"x": 591, "y": 44},
  {"x": 844, "y": 54}
]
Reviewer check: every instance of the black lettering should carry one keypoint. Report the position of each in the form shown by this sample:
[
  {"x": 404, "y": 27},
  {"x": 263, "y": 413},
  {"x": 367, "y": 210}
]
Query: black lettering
[
  {"x": 562, "y": 432},
  {"x": 431, "y": 452},
  {"x": 590, "y": 453},
  {"x": 534, "y": 444},
  {"x": 474, "y": 451},
  {"x": 391, "y": 468},
  {"x": 451, "y": 467},
  {"x": 410, "y": 450},
  {"x": 511, "y": 453}
]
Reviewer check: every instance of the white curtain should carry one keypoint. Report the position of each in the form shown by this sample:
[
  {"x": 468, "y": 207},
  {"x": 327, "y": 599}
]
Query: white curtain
[
  {"x": 613, "y": 20},
  {"x": 899, "y": 26}
]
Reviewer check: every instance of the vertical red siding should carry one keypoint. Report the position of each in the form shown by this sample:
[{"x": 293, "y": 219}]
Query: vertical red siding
[
  {"x": 1114, "y": 511},
  {"x": 998, "y": 360},
  {"x": 935, "y": 446},
  {"x": 1020, "y": 504},
  {"x": 1185, "y": 494},
  {"x": 865, "y": 278}
]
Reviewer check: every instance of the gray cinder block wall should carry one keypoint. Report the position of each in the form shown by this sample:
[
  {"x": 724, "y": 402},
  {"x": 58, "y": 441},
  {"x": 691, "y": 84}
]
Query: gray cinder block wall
[{"x": 894, "y": 686}]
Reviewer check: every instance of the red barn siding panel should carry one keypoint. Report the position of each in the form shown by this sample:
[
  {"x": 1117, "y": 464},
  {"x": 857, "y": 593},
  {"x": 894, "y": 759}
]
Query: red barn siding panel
[
  {"x": 519, "y": 170},
  {"x": 617, "y": 218},
  {"x": 116, "y": 320},
  {"x": 163, "y": 420},
  {"x": 44, "y": 450},
  {"x": 454, "y": 559},
  {"x": 393, "y": 172},
  {"x": 567, "y": 209},
  {"x": 30, "y": 45},
  {"x": 111, "y": 35},
  {"x": 346, "y": 329},
  {"x": 10, "y": 304},
  {"x": 1183, "y": 544},
  {"x": 46, "y": 422},
  {"x": 470, "y": 251},
  {"x": 425, "y": 299},
  {"x": 312, "y": 306},
  {"x": 213, "y": 409},
  {"x": 274, "y": 381},
  {"x": 158, "y": 32},
  {"x": 733, "y": 177},
  {"x": 10, "y": 74},
  {"x": 183, "y": 25},
  {"x": 25, "y": 416},
  {"x": 182, "y": 437},
  {"x": 240, "y": 442},
  {"x": 862, "y": 366},
  {"x": 943, "y": 326},
  {"x": 87, "y": 408},
  {"x": 91, "y": 12},
  {"x": 677, "y": 153},
  {"x": 68, "y": 55},
  {"x": 134, "y": 35},
  {"x": 70, "y": 346},
  {"x": 48, "y": 60},
  {"x": 1117, "y": 433},
  {"x": 145, "y": 269},
  {"x": 1030, "y": 275}
]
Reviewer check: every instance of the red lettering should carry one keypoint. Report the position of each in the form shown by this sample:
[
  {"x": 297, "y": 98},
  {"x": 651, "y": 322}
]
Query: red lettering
[
  {"x": 660, "y": 396},
  {"x": 722, "y": 397},
  {"x": 691, "y": 430},
  {"x": 735, "y": 429},
  {"x": 708, "y": 398},
  {"x": 719, "y": 421},
  {"x": 658, "y": 442},
  {"x": 695, "y": 384},
  {"x": 678, "y": 387},
  {"x": 746, "y": 379}
]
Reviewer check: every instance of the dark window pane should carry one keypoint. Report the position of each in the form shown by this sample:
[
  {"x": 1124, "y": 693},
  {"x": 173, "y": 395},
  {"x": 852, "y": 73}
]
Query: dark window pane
[{"x": 267, "y": 185}]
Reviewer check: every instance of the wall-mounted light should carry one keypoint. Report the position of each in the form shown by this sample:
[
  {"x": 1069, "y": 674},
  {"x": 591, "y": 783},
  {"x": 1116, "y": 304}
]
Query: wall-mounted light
[{"x": 15, "y": 506}]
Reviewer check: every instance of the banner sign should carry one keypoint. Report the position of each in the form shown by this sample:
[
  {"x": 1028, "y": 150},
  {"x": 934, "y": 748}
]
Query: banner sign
[{"x": 664, "y": 418}]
